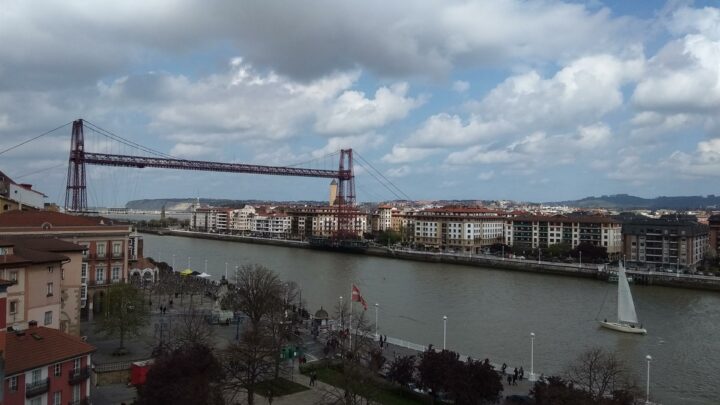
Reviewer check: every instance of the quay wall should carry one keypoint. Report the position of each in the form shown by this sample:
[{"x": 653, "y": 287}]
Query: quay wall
[{"x": 529, "y": 266}]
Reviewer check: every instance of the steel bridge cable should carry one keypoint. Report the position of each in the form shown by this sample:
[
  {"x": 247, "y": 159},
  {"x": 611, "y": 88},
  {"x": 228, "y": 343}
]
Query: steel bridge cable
[
  {"x": 393, "y": 192},
  {"x": 125, "y": 141},
  {"x": 407, "y": 197},
  {"x": 33, "y": 138}
]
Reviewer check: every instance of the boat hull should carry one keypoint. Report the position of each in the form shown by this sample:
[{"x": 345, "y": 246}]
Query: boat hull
[{"x": 623, "y": 328}]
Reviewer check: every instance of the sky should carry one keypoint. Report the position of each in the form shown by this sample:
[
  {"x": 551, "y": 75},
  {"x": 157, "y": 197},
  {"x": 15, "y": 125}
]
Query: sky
[{"x": 446, "y": 99}]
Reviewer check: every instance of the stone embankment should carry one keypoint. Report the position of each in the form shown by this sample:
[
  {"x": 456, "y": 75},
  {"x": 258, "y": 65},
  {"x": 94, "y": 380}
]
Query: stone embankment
[{"x": 530, "y": 266}]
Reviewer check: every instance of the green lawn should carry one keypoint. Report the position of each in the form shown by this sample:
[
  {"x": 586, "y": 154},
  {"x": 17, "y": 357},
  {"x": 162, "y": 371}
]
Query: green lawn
[
  {"x": 383, "y": 392},
  {"x": 279, "y": 387}
]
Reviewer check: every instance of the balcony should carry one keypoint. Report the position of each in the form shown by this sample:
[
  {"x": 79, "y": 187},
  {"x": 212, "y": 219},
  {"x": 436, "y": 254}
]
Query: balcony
[
  {"x": 37, "y": 388},
  {"x": 79, "y": 375},
  {"x": 83, "y": 401}
]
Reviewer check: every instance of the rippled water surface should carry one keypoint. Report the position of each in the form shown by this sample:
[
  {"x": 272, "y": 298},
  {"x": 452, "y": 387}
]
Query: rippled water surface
[{"x": 492, "y": 312}]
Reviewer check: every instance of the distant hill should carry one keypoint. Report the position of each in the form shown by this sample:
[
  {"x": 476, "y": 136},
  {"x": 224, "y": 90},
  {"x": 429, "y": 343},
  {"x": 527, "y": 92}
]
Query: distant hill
[
  {"x": 625, "y": 201},
  {"x": 184, "y": 204}
]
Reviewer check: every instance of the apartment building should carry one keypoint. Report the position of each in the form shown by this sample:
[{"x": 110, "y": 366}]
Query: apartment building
[
  {"x": 323, "y": 221},
  {"x": 271, "y": 224},
  {"x": 45, "y": 366},
  {"x": 240, "y": 220},
  {"x": 457, "y": 229},
  {"x": 539, "y": 231},
  {"x": 15, "y": 196},
  {"x": 105, "y": 243},
  {"x": 671, "y": 241}
]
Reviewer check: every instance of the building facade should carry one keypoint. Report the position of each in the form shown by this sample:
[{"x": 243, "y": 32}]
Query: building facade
[
  {"x": 533, "y": 232},
  {"x": 105, "y": 244},
  {"x": 669, "y": 242},
  {"x": 457, "y": 229},
  {"x": 45, "y": 366}
]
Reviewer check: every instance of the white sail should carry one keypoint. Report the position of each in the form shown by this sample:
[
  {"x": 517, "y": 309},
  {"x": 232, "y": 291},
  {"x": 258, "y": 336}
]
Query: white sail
[{"x": 626, "y": 307}]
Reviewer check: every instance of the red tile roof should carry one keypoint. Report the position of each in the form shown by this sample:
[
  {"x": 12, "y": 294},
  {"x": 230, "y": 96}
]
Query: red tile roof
[
  {"x": 42, "y": 243},
  {"x": 15, "y": 219},
  {"x": 39, "y": 346}
]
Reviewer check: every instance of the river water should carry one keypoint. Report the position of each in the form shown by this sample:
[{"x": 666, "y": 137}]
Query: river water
[{"x": 491, "y": 313}]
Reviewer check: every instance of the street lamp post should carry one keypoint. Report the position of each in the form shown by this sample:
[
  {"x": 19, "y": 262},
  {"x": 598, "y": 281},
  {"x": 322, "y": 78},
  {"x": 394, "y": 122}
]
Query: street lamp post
[
  {"x": 173, "y": 266},
  {"x": 444, "y": 331},
  {"x": 376, "y": 320},
  {"x": 342, "y": 315},
  {"x": 188, "y": 262},
  {"x": 580, "y": 259},
  {"x": 539, "y": 250},
  {"x": 647, "y": 388},
  {"x": 532, "y": 357}
]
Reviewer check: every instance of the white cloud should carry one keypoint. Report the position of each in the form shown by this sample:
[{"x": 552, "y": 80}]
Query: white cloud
[
  {"x": 405, "y": 154},
  {"x": 193, "y": 151},
  {"x": 352, "y": 112},
  {"x": 485, "y": 176},
  {"x": 461, "y": 86}
]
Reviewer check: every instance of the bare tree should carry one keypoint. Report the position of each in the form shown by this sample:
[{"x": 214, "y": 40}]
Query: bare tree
[
  {"x": 265, "y": 300},
  {"x": 356, "y": 345},
  {"x": 191, "y": 328},
  {"x": 246, "y": 363},
  {"x": 600, "y": 373}
]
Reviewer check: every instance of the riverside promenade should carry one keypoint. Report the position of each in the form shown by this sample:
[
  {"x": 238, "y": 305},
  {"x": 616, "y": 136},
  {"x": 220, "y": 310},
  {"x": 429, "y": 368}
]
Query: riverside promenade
[{"x": 586, "y": 270}]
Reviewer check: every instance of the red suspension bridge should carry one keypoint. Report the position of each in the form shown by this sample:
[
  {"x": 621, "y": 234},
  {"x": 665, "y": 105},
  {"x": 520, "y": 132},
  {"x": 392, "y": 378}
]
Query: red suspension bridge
[{"x": 76, "y": 190}]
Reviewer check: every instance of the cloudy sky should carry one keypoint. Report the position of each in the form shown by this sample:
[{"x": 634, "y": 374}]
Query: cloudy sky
[{"x": 527, "y": 100}]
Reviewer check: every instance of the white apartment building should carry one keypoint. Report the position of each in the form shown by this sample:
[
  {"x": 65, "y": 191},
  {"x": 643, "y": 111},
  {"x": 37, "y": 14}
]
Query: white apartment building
[
  {"x": 458, "y": 229},
  {"x": 241, "y": 219},
  {"x": 272, "y": 224}
]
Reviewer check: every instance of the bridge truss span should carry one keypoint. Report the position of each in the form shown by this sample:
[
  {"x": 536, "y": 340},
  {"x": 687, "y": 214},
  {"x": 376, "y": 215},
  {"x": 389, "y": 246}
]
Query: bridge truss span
[{"x": 103, "y": 159}]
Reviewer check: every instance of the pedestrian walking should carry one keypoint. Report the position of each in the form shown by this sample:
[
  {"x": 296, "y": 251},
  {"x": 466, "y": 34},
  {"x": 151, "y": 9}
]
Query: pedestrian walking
[
  {"x": 515, "y": 372},
  {"x": 522, "y": 373},
  {"x": 509, "y": 379},
  {"x": 514, "y": 379}
]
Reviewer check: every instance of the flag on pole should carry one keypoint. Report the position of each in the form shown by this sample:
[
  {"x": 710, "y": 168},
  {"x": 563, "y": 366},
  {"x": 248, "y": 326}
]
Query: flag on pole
[{"x": 357, "y": 297}]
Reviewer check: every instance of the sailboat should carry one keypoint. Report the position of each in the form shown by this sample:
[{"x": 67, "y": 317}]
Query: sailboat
[{"x": 627, "y": 318}]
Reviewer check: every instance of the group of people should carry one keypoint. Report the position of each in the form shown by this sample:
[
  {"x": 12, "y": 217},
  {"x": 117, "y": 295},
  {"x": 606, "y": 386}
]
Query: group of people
[
  {"x": 383, "y": 341},
  {"x": 513, "y": 378}
]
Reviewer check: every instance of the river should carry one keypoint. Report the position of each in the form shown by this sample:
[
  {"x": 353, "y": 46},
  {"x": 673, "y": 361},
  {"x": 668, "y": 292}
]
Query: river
[{"x": 491, "y": 313}]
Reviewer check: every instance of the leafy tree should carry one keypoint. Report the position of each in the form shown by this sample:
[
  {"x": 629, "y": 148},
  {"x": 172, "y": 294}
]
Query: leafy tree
[
  {"x": 388, "y": 237},
  {"x": 558, "y": 250},
  {"x": 499, "y": 248},
  {"x": 125, "y": 313},
  {"x": 590, "y": 252},
  {"x": 475, "y": 382},
  {"x": 436, "y": 369},
  {"x": 402, "y": 370},
  {"x": 188, "y": 375}
]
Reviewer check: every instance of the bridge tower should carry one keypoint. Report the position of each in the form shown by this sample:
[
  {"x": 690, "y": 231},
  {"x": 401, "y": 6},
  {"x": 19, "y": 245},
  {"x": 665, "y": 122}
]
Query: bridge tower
[
  {"x": 345, "y": 199},
  {"x": 76, "y": 191}
]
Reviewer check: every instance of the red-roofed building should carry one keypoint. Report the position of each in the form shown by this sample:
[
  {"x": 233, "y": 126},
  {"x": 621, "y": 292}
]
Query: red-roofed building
[
  {"x": 457, "y": 229},
  {"x": 104, "y": 259},
  {"x": 45, "y": 366}
]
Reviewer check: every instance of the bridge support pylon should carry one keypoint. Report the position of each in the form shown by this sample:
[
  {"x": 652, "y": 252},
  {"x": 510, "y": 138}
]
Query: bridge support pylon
[{"x": 76, "y": 190}]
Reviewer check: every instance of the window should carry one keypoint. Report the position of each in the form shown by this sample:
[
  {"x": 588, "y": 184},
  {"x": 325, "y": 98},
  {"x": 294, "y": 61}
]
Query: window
[
  {"x": 83, "y": 273},
  {"x": 76, "y": 392},
  {"x": 13, "y": 276},
  {"x": 100, "y": 275},
  {"x": 57, "y": 370},
  {"x": 76, "y": 364},
  {"x": 36, "y": 375},
  {"x": 13, "y": 383},
  {"x": 85, "y": 250},
  {"x": 115, "y": 274},
  {"x": 36, "y": 401},
  {"x": 57, "y": 398},
  {"x": 49, "y": 289},
  {"x": 48, "y": 317},
  {"x": 101, "y": 250},
  {"x": 117, "y": 249},
  {"x": 50, "y": 269},
  {"x": 13, "y": 307}
]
